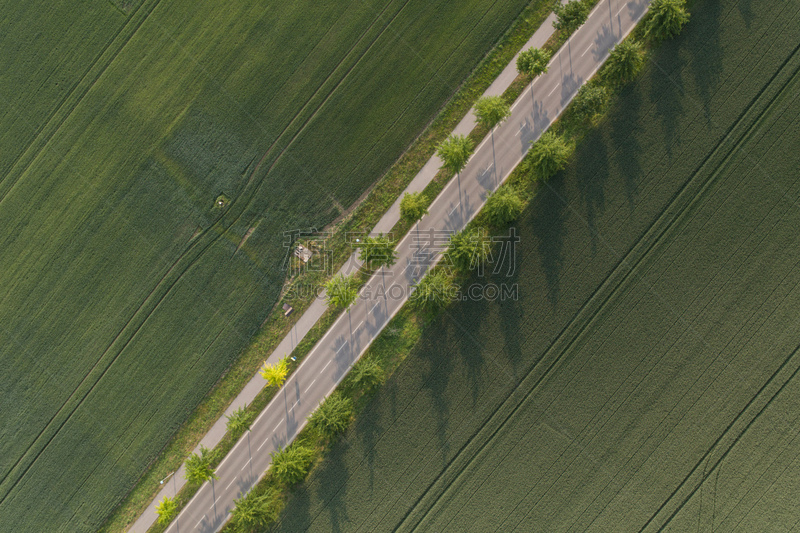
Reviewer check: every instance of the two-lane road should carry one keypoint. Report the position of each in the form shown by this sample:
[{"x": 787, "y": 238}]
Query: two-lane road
[{"x": 333, "y": 356}]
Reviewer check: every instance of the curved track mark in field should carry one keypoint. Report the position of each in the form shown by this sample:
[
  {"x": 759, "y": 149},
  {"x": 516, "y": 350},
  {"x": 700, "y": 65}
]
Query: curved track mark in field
[
  {"x": 74, "y": 97},
  {"x": 745, "y": 413}
]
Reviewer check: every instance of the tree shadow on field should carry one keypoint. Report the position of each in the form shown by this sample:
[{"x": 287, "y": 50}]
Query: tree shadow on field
[
  {"x": 335, "y": 505},
  {"x": 666, "y": 90},
  {"x": 549, "y": 214},
  {"x": 622, "y": 134},
  {"x": 703, "y": 34},
  {"x": 745, "y": 8},
  {"x": 437, "y": 336},
  {"x": 592, "y": 179}
]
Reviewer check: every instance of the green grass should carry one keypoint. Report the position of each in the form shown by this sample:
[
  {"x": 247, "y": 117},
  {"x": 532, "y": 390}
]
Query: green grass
[
  {"x": 647, "y": 376},
  {"x": 125, "y": 296}
]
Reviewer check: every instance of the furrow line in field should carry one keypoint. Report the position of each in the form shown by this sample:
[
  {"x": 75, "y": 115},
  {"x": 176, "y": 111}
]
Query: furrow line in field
[
  {"x": 75, "y": 96},
  {"x": 694, "y": 198},
  {"x": 747, "y": 417},
  {"x": 325, "y": 99}
]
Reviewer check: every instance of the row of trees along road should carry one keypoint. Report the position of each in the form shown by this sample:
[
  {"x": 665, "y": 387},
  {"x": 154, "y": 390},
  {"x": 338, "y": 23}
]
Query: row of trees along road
[{"x": 549, "y": 154}]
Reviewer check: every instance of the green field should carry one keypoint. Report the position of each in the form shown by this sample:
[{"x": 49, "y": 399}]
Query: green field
[
  {"x": 127, "y": 290},
  {"x": 648, "y": 376}
]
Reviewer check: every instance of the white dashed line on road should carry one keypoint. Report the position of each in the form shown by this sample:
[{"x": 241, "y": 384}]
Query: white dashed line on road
[
  {"x": 309, "y": 386},
  {"x": 554, "y": 89},
  {"x": 231, "y": 483},
  {"x": 279, "y": 424},
  {"x": 326, "y": 366},
  {"x": 454, "y": 209},
  {"x": 358, "y": 326},
  {"x": 587, "y": 50},
  {"x": 198, "y": 523},
  {"x": 245, "y": 465},
  {"x": 340, "y": 347}
]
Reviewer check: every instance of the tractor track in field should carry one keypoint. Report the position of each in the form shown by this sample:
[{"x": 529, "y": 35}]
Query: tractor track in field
[
  {"x": 720, "y": 143},
  {"x": 75, "y": 96}
]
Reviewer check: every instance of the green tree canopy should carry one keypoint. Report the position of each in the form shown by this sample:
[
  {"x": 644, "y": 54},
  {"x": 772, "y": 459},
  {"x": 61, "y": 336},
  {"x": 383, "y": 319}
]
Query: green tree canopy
[
  {"x": 413, "y": 206},
  {"x": 665, "y": 19},
  {"x": 292, "y": 463},
  {"x": 469, "y": 249},
  {"x": 255, "y": 511},
  {"x": 366, "y": 373},
  {"x": 166, "y": 509},
  {"x": 503, "y": 206},
  {"x": 454, "y": 152},
  {"x": 533, "y": 61},
  {"x": 333, "y": 415},
  {"x": 624, "y": 62},
  {"x": 434, "y": 291},
  {"x": 590, "y": 101},
  {"x": 570, "y": 16},
  {"x": 376, "y": 252},
  {"x": 491, "y": 110},
  {"x": 341, "y": 291},
  {"x": 549, "y": 154},
  {"x": 276, "y": 374},
  {"x": 239, "y": 421},
  {"x": 198, "y": 467}
]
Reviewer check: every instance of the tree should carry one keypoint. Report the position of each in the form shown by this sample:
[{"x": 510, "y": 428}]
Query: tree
[
  {"x": 166, "y": 509},
  {"x": 503, "y": 206},
  {"x": 624, "y": 62},
  {"x": 366, "y": 373},
  {"x": 491, "y": 110},
  {"x": 454, "y": 152},
  {"x": 341, "y": 291},
  {"x": 549, "y": 154},
  {"x": 254, "y": 511},
  {"x": 590, "y": 101},
  {"x": 665, "y": 19},
  {"x": 469, "y": 249},
  {"x": 376, "y": 252},
  {"x": 333, "y": 415},
  {"x": 570, "y": 16},
  {"x": 198, "y": 467},
  {"x": 239, "y": 421},
  {"x": 413, "y": 206},
  {"x": 292, "y": 463},
  {"x": 533, "y": 61},
  {"x": 434, "y": 291},
  {"x": 276, "y": 374}
]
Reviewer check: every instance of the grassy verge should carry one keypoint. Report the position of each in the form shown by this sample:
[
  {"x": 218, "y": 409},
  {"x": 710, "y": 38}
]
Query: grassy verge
[{"x": 362, "y": 219}]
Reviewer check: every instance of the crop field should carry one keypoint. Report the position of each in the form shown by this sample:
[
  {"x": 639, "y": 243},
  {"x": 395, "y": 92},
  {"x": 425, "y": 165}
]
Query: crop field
[
  {"x": 152, "y": 155},
  {"x": 647, "y": 378}
]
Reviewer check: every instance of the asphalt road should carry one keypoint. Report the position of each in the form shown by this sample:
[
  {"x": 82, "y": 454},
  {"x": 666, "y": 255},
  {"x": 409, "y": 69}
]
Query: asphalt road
[{"x": 330, "y": 360}]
